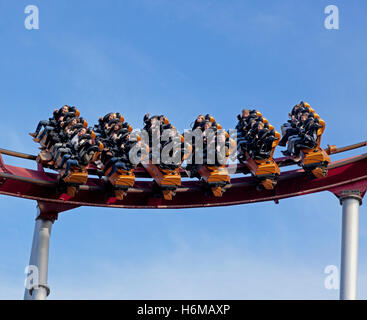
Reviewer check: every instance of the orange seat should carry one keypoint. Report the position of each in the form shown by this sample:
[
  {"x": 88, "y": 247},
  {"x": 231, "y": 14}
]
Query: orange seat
[
  {"x": 121, "y": 180},
  {"x": 265, "y": 170},
  {"x": 217, "y": 176},
  {"x": 316, "y": 159},
  {"x": 167, "y": 179},
  {"x": 76, "y": 176},
  {"x": 44, "y": 157}
]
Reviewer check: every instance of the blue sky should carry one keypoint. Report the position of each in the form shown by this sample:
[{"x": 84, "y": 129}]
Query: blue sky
[{"x": 181, "y": 58}]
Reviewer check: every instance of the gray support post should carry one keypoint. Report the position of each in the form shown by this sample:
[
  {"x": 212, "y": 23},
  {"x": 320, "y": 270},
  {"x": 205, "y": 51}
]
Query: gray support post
[
  {"x": 27, "y": 295},
  {"x": 349, "y": 246},
  {"x": 38, "y": 261}
]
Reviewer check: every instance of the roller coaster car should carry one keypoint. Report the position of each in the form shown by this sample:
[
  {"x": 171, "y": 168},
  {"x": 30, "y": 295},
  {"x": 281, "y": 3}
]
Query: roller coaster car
[
  {"x": 121, "y": 180},
  {"x": 217, "y": 176},
  {"x": 77, "y": 176},
  {"x": 266, "y": 170},
  {"x": 45, "y": 158},
  {"x": 315, "y": 160},
  {"x": 167, "y": 180}
]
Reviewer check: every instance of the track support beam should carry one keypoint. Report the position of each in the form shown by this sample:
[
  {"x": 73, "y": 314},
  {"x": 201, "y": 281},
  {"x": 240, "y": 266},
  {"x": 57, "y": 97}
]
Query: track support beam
[
  {"x": 36, "y": 282},
  {"x": 350, "y": 202}
]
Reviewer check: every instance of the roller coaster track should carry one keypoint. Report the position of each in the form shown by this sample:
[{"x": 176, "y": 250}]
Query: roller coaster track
[
  {"x": 346, "y": 178},
  {"x": 349, "y": 173}
]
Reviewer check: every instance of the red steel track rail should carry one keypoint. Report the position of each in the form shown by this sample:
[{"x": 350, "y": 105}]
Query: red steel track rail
[{"x": 345, "y": 174}]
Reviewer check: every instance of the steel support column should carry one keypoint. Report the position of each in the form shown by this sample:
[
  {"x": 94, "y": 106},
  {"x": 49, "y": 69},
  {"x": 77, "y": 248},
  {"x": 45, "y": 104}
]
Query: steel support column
[
  {"x": 349, "y": 246},
  {"x": 37, "y": 288}
]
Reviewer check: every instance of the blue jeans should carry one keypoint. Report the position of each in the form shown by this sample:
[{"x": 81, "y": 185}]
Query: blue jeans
[
  {"x": 64, "y": 159},
  {"x": 42, "y": 123},
  {"x": 65, "y": 151},
  {"x": 69, "y": 163},
  {"x": 57, "y": 146},
  {"x": 110, "y": 163},
  {"x": 291, "y": 142},
  {"x": 45, "y": 131},
  {"x": 117, "y": 165}
]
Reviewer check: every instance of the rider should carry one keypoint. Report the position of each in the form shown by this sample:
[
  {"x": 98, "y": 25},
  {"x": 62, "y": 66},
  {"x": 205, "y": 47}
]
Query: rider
[
  {"x": 51, "y": 121},
  {"x": 296, "y": 138}
]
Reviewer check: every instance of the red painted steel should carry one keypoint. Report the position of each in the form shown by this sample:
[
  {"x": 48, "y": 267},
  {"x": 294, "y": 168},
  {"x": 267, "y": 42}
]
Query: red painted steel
[{"x": 346, "y": 174}]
